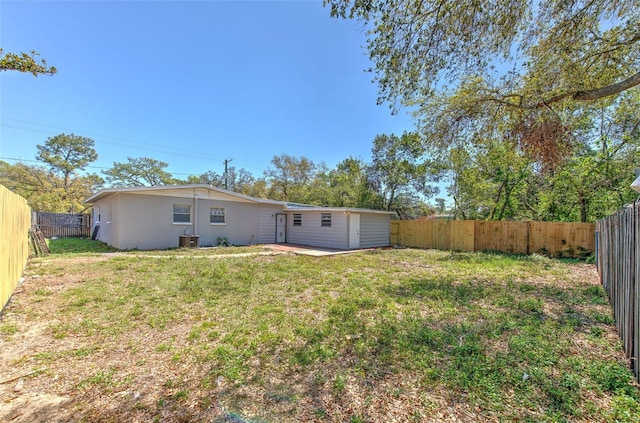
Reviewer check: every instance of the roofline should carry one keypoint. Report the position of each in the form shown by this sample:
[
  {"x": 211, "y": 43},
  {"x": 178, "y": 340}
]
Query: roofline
[
  {"x": 106, "y": 192},
  {"x": 335, "y": 209},
  {"x": 116, "y": 190}
]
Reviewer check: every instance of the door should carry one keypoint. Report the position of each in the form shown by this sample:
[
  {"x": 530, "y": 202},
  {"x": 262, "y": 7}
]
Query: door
[
  {"x": 354, "y": 230},
  {"x": 281, "y": 228}
]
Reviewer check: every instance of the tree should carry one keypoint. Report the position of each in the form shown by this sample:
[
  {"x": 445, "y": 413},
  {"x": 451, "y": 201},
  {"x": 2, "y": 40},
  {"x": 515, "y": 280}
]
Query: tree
[
  {"x": 138, "y": 172},
  {"x": 25, "y": 62},
  {"x": 352, "y": 185},
  {"x": 67, "y": 154},
  {"x": 44, "y": 189},
  {"x": 238, "y": 180},
  {"x": 500, "y": 59},
  {"x": 397, "y": 170},
  {"x": 596, "y": 180},
  {"x": 290, "y": 177},
  {"x": 581, "y": 50}
]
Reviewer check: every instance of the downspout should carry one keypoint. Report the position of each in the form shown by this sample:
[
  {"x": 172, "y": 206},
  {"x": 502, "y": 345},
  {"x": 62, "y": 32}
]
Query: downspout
[{"x": 195, "y": 214}]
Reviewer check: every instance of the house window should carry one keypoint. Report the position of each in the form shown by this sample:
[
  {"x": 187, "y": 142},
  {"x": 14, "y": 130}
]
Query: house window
[
  {"x": 297, "y": 219},
  {"x": 326, "y": 219},
  {"x": 181, "y": 213},
  {"x": 216, "y": 216}
]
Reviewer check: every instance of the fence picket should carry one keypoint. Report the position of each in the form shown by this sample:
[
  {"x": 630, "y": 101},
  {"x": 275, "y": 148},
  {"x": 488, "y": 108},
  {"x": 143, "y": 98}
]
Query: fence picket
[
  {"x": 64, "y": 225},
  {"x": 556, "y": 239},
  {"x": 619, "y": 268},
  {"x": 15, "y": 220}
]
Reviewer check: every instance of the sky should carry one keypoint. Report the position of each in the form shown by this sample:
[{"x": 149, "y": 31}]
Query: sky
[{"x": 192, "y": 83}]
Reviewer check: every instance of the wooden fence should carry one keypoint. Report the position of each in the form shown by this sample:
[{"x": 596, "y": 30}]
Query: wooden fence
[
  {"x": 63, "y": 225},
  {"x": 618, "y": 260},
  {"x": 15, "y": 221},
  {"x": 555, "y": 239}
]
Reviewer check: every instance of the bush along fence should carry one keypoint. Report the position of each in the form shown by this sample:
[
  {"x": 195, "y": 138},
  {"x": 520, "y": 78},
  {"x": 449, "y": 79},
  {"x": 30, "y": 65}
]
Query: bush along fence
[
  {"x": 554, "y": 239},
  {"x": 63, "y": 225},
  {"x": 15, "y": 220},
  {"x": 618, "y": 260}
]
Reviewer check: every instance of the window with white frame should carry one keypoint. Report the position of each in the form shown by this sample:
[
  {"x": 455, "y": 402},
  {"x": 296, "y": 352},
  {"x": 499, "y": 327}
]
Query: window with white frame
[
  {"x": 181, "y": 213},
  {"x": 216, "y": 216},
  {"x": 297, "y": 219},
  {"x": 326, "y": 219}
]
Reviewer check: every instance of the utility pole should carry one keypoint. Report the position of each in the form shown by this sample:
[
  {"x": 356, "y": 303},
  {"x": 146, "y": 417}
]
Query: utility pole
[{"x": 226, "y": 173}]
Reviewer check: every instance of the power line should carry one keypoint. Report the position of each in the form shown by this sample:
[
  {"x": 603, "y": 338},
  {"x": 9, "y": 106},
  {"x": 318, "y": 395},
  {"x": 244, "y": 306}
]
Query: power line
[
  {"x": 121, "y": 142},
  {"x": 88, "y": 166}
]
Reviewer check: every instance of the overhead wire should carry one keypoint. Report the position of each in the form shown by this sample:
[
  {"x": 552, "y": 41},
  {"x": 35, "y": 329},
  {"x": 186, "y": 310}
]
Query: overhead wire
[{"x": 122, "y": 142}]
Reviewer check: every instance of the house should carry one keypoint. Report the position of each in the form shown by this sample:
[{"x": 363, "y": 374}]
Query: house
[{"x": 161, "y": 217}]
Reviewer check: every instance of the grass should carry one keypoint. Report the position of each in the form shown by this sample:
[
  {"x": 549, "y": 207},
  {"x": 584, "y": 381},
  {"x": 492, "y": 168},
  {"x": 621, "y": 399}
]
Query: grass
[
  {"x": 404, "y": 334},
  {"x": 74, "y": 246},
  {"x": 78, "y": 245}
]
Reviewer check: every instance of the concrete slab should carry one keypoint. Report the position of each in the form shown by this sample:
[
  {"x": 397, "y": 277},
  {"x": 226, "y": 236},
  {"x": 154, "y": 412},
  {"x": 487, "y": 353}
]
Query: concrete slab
[{"x": 305, "y": 250}]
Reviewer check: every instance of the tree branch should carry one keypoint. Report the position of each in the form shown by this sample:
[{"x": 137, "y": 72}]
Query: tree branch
[
  {"x": 609, "y": 90},
  {"x": 588, "y": 95}
]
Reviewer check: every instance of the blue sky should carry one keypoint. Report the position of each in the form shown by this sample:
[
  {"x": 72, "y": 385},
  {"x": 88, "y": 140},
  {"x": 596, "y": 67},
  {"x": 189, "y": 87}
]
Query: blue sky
[{"x": 192, "y": 83}]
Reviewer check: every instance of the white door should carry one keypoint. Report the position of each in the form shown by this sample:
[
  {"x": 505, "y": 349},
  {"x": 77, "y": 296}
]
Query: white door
[
  {"x": 281, "y": 227},
  {"x": 354, "y": 230}
]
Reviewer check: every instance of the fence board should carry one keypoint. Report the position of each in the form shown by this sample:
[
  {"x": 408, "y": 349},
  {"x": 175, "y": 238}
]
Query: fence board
[
  {"x": 560, "y": 239},
  {"x": 619, "y": 268},
  {"x": 462, "y": 235},
  {"x": 15, "y": 220},
  {"x": 557, "y": 239},
  {"x": 64, "y": 225},
  {"x": 507, "y": 237}
]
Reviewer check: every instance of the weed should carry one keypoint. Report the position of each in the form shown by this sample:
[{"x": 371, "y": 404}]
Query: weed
[
  {"x": 42, "y": 292},
  {"x": 596, "y": 331},
  {"x": 611, "y": 377},
  {"x": 604, "y": 318},
  {"x": 8, "y": 329},
  {"x": 181, "y": 395},
  {"x": 103, "y": 377},
  {"x": 339, "y": 384}
]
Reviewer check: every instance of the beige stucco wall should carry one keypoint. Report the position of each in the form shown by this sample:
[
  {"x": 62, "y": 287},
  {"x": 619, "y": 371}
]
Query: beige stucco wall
[{"x": 145, "y": 222}]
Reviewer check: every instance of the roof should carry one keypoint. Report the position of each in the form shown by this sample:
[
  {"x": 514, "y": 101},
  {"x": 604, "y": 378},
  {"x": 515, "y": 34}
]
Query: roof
[
  {"x": 306, "y": 208},
  {"x": 166, "y": 190},
  {"x": 200, "y": 189}
]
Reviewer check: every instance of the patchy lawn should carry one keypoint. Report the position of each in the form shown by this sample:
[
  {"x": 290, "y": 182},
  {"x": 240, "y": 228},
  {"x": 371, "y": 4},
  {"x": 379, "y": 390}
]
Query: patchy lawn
[{"x": 392, "y": 335}]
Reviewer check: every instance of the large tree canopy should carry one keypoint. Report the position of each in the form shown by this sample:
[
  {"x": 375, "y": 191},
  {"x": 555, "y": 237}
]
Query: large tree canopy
[
  {"x": 66, "y": 154},
  {"x": 138, "y": 172},
  {"x": 554, "y": 50}
]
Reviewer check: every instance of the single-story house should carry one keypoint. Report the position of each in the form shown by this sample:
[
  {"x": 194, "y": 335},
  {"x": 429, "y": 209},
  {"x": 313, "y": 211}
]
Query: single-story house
[{"x": 161, "y": 217}]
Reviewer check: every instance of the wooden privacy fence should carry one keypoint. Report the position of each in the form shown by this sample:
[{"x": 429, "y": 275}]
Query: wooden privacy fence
[
  {"x": 618, "y": 260},
  {"x": 555, "y": 239},
  {"x": 15, "y": 220},
  {"x": 63, "y": 225}
]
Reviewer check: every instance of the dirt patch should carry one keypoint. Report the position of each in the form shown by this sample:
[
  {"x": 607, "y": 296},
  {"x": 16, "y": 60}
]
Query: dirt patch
[{"x": 34, "y": 407}]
